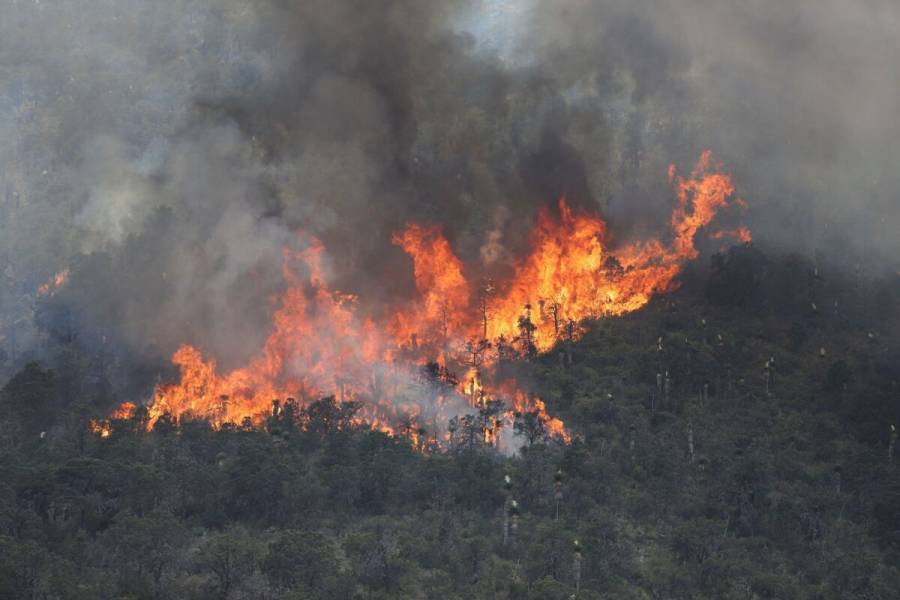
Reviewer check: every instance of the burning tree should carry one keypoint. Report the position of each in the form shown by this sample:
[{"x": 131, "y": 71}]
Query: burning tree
[{"x": 527, "y": 331}]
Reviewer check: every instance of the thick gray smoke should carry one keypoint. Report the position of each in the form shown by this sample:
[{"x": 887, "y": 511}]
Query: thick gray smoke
[{"x": 167, "y": 151}]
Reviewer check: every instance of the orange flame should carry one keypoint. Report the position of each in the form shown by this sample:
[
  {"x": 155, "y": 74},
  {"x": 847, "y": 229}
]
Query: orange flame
[
  {"x": 103, "y": 427},
  {"x": 322, "y": 344},
  {"x": 445, "y": 292},
  {"x": 571, "y": 273},
  {"x": 741, "y": 234}
]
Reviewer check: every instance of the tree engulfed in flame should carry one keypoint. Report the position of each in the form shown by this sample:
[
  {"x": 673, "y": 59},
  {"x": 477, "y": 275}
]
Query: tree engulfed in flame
[{"x": 321, "y": 343}]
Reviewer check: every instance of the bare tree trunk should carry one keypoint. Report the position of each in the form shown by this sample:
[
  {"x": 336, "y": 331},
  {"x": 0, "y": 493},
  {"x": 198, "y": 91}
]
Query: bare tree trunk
[{"x": 690, "y": 433}]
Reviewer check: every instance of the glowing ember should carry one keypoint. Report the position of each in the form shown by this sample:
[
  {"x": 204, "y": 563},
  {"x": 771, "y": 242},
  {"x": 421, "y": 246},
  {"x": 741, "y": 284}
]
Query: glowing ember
[
  {"x": 55, "y": 282},
  {"x": 400, "y": 371}
]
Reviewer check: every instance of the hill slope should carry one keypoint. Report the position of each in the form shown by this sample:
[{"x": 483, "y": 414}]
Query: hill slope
[{"x": 696, "y": 471}]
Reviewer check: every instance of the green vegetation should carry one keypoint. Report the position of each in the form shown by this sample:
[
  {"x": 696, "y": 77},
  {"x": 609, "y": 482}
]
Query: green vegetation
[{"x": 727, "y": 479}]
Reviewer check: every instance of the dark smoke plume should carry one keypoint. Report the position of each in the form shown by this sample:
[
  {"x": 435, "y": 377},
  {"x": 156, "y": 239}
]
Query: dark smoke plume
[{"x": 166, "y": 152}]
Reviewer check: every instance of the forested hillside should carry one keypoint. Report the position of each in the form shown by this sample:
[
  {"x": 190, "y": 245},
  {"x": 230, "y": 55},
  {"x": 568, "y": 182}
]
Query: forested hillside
[{"x": 732, "y": 439}]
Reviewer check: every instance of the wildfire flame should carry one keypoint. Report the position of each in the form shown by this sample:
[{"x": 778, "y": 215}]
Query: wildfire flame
[
  {"x": 570, "y": 274},
  {"x": 322, "y": 344},
  {"x": 103, "y": 427}
]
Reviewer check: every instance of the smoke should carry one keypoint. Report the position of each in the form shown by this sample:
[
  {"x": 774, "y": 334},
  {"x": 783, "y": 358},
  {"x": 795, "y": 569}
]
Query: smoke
[
  {"x": 168, "y": 151},
  {"x": 796, "y": 98}
]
